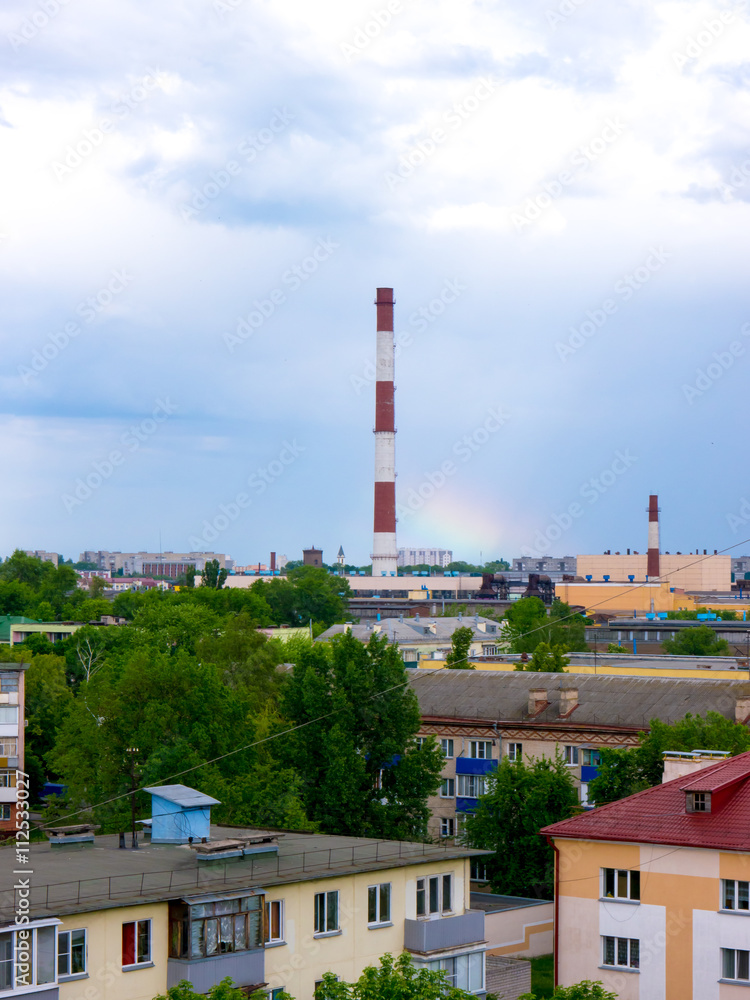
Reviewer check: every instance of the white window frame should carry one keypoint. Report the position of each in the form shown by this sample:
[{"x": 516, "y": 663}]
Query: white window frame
[
  {"x": 617, "y": 942},
  {"x": 446, "y": 745},
  {"x": 450, "y": 966},
  {"x": 617, "y": 879},
  {"x": 514, "y": 751},
  {"x": 448, "y": 788},
  {"x": 734, "y": 977},
  {"x": 734, "y": 888},
  {"x": 323, "y": 927},
  {"x": 447, "y": 826},
  {"x": 269, "y": 939},
  {"x": 477, "y": 780},
  {"x": 21, "y": 987},
  {"x": 480, "y": 749},
  {"x": 435, "y": 888},
  {"x": 570, "y": 753},
  {"x": 68, "y": 953},
  {"x": 376, "y": 893},
  {"x": 7, "y": 777},
  {"x": 140, "y": 961},
  {"x": 590, "y": 751},
  {"x": 8, "y": 746}
]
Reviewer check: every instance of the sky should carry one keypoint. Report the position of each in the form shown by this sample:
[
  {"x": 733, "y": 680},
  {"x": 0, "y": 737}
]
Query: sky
[{"x": 200, "y": 198}]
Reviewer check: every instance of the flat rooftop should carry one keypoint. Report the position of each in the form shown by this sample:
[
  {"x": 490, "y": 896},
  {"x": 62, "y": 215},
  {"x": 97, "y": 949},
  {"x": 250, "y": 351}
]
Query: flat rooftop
[{"x": 75, "y": 878}]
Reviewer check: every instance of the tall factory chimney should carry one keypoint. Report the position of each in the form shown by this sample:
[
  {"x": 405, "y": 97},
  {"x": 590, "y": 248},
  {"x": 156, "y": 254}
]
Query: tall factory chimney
[
  {"x": 384, "y": 552},
  {"x": 652, "y": 562}
]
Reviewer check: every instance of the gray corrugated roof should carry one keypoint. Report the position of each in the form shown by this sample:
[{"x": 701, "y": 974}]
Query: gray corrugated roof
[
  {"x": 183, "y": 796},
  {"x": 497, "y": 696}
]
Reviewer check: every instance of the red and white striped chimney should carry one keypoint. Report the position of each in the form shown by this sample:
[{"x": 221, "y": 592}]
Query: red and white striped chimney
[
  {"x": 652, "y": 561},
  {"x": 384, "y": 552}
]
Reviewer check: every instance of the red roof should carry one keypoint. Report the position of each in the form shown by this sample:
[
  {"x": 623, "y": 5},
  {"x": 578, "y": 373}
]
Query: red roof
[{"x": 658, "y": 815}]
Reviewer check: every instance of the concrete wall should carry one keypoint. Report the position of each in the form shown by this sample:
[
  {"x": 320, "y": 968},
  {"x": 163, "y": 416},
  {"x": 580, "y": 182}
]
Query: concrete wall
[{"x": 521, "y": 932}]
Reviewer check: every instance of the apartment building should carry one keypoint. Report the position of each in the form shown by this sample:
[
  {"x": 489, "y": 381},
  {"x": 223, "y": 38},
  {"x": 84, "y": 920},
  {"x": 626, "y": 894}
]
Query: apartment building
[
  {"x": 428, "y": 638},
  {"x": 272, "y": 910},
  {"x": 11, "y": 741},
  {"x": 479, "y": 717},
  {"x": 424, "y": 557},
  {"x": 652, "y": 893}
]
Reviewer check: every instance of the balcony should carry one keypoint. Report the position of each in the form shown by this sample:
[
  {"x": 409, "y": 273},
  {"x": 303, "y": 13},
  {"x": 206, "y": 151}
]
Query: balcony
[
  {"x": 471, "y": 765},
  {"x": 246, "y": 968},
  {"x": 426, "y": 936}
]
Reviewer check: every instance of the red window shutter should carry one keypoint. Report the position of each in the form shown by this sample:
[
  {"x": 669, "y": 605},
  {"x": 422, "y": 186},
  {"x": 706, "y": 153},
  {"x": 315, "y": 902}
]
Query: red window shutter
[{"x": 128, "y": 944}]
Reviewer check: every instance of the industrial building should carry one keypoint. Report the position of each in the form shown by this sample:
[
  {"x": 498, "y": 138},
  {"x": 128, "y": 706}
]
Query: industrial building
[
  {"x": 424, "y": 557},
  {"x": 169, "y": 564}
]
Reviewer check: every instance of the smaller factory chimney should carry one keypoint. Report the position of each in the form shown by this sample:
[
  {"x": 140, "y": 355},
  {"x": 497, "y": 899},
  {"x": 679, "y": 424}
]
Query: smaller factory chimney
[{"x": 652, "y": 560}]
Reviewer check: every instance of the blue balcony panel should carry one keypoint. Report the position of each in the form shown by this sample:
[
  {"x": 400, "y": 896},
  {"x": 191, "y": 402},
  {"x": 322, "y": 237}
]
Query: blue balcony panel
[
  {"x": 467, "y": 765},
  {"x": 589, "y": 772},
  {"x": 465, "y": 805}
]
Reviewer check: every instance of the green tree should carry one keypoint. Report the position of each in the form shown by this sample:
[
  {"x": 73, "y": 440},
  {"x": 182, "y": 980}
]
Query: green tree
[
  {"x": 48, "y": 700},
  {"x": 362, "y": 770},
  {"x": 526, "y": 624},
  {"x": 615, "y": 647},
  {"x": 699, "y": 640},
  {"x": 190, "y": 577},
  {"x": 395, "y": 979},
  {"x": 585, "y": 990},
  {"x": 97, "y": 586},
  {"x": 522, "y": 798},
  {"x": 225, "y": 990},
  {"x": 212, "y": 576},
  {"x": 625, "y": 772},
  {"x": 460, "y": 644},
  {"x": 567, "y": 628},
  {"x": 307, "y": 593},
  {"x": 546, "y": 660}
]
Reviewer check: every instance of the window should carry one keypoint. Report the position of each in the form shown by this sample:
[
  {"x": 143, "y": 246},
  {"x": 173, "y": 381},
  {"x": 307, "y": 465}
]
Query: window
[
  {"x": 8, "y": 746},
  {"x": 4, "y": 812},
  {"x": 447, "y": 747},
  {"x": 200, "y": 930},
  {"x": 515, "y": 751},
  {"x": 619, "y": 883},
  {"x": 434, "y": 894},
  {"x": 471, "y": 786},
  {"x": 420, "y": 740},
  {"x": 136, "y": 942},
  {"x": 8, "y": 715},
  {"x": 622, "y": 952},
  {"x": 698, "y": 802},
  {"x": 275, "y": 994},
  {"x": 27, "y": 957},
  {"x": 446, "y": 827},
  {"x": 571, "y": 755},
  {"x": 591, "y": 758},
  {"x": 734, "y": 895},
  {"x": 735, "y": 965},
  {"x": 318, "y": 992},
  {"x": 7, "y": 779},
  {"x": 448, "y": 788},
  {"x": 490, "y": 650},
  {"x": 379, "y": 903},
  {"x": 71, "y": 953},
  {"x": 326, "y": 912},
  {"x": 465, "y": 972},
  {"x": 274, "y": 921},
  {"x": 478, "y": 870},
  {"x": 480, "y": 749}
]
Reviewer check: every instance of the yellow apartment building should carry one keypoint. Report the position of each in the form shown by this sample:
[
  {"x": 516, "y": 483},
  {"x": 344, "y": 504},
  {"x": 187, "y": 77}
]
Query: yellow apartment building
[
  {"x": 271, "y": 910},
  {"x": 652, "y": 893}
]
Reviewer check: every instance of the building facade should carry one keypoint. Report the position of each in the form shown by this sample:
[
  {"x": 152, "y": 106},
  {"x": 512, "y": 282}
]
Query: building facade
[
  {"x": 11, "y": 742},
  {"x": 135, "y": 563},
  {"x": 270, "y": 910},
  {"x": 479, "y": 717},
  {"x": 427, "y": 639},
  {"x": 652, "y": 891},
  {"x": 424, "y": 557}
]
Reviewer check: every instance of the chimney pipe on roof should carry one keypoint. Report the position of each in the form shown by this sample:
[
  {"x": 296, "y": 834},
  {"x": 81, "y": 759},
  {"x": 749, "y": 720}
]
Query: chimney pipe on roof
[
  {"x": 568, "y": 701},
  {"x": 384, "y": 554},
  {"x": 537, "y": 700}
]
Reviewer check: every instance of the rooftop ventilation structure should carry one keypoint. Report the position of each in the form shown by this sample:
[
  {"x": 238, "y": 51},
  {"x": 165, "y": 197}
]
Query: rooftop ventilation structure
[{"x": 180, "y": 814}]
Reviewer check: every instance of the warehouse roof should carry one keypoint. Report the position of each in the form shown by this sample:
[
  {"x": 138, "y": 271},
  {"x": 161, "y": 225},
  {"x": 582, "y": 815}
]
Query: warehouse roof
[{"x": 419, "y": 629}]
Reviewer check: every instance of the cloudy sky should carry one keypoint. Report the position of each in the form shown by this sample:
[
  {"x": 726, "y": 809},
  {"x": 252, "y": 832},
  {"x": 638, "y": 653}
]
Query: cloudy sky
[{"x": 201, "y": 196}]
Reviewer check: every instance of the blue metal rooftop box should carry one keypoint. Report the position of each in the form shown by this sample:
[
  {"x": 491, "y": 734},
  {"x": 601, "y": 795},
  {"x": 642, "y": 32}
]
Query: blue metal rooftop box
[{"x": 179, "y": 813}]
